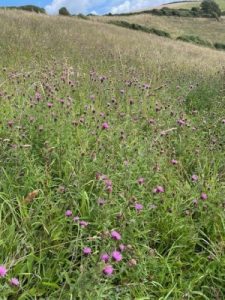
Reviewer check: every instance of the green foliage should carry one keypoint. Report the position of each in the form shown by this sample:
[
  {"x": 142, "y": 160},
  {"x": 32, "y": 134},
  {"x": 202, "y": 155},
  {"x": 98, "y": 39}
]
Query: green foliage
[
  {"x": 140, "y": 28},
  {"x": 31, "y": 8},
  {"x": 195, "y": 40},
  {"x": 219, "y": 46},
  {"x": 63, "y": 11},
  {"x": 211, "y": 8}
]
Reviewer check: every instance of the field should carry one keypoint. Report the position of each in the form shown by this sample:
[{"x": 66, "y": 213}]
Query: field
[
  {"x": 189, "y": 5},
  {"x": 208, "y": 29},
  {"x": 112, "y": 174}
]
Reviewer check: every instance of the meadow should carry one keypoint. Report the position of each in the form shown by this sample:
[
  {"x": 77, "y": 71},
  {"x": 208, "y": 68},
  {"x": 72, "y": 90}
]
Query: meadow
[{"x": 112, "y": 172}]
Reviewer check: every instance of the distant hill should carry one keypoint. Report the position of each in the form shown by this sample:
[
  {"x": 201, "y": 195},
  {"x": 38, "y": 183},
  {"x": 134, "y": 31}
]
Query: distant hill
[{"x": 32, "y": 8}]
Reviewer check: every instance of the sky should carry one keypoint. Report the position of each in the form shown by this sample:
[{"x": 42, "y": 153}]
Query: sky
[{"x": 88, "y": 6}]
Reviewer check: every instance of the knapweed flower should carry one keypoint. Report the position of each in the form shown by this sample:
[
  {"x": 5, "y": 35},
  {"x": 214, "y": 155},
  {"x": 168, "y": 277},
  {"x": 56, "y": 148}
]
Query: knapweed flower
[
  {"x": 181, "y": 122},
  {"x": 76, "y": 219},
  {"x": 83, "y": 224},
  {"x": 105, "y": 125},
  {"x": 174, "y": 161},
  {"x": 105, "y": 257},
  {"x": 10, "y": 123},
  {"x": 115, "y": 235},
  {"x": 68, "y": 213},
  {"x": 101, "y": 201},
  {"x": 108, "y": 270},
  {"x": 49, "y": 104},
  {"x": 138, "y": 207},
  {"x": 223, "y": 121},
  {"x": 194, "y": 177},
  {"x": 117, "y": 256},
  {"x": 122, "y": 247},
  {"x": 204, "y": 196},
  {"x": 87, "y": 251},
  {"x": 14, "y": 281},
  {"x": 3, "y": 271},
  {"x": 141, "y": 181},
  {"x": 158, "y": 189}
]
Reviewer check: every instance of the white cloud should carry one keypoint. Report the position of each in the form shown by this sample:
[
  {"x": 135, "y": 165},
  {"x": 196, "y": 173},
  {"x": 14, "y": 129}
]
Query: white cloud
[
  {"x": 100, "y": 6},
  {"x": 134, "y": 5},
  {"x": 74, "y": 6}
]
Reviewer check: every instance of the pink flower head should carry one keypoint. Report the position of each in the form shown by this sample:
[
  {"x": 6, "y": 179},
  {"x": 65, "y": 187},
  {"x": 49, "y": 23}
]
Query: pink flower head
[
  {"x": 3, "y": 271},
  {"x": 122, "y": 247},
  {"x": 223, "y": 121},
  {"x": 108, "y": 182},
  {"x": 105, "y": 125},
  {"x": 83, "y": 224},
  {"x": 174, "y": 161},
  {"x": 68, "y": 213},
  {"x": 117, "y": 256},
  {"x": 204, "y": 196},
  {"x": 194, "y": 177},
  {"x": 10, "y": 123},
  {"x": 138, "y": 207},
  {"x": 108, "y": 270},
  {"x": 14, "y": 281},
  {"x": 105, "y": 257},
  {"x": 50, "y": 104},
  {"x": 181, "y": 122},
  {"x": 101, "y": 202},
  {"x": 141, "y": 181},
  {"x": 115, "y": 235},
  {"x": 109, "y": 189},
  {"x": 158, "y": 189},
  {"x": 87, "y": 251},
  {"x": 76, "y": 219}
]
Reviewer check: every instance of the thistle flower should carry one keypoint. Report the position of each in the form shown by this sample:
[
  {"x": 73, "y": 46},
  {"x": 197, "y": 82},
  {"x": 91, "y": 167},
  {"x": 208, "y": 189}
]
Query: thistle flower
[
  {"x": 108, "y": 270},
  {"x": 3, "y": 271},
  {"x": 141, "y": 181},
  {"x": 105, "y": 125},
  {"x": 105, "y": 257},
  {"x": 68, "y": 213},
  {"x": 115, "y": 235},
  {"x": 14, "y": 282},
  {"x": 204, "y": 196},
  {"x": 138, "y": 207},
  {"x": 87, "y": 251},
  {"x": 117, "y": 256}
]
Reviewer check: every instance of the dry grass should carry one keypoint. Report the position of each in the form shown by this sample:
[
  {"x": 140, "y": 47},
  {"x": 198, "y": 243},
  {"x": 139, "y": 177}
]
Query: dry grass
[{"x": 208, "y": 29}]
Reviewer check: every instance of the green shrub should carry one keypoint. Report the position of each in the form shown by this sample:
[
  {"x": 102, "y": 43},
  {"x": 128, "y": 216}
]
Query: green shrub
[
  {"x": 81, "y": 16},
  {"x": 63, "y": 11},
  {"x": 195, "y": 40},
  {"x": 140, "y": 28},
  {"x": 219, "y": 46}
]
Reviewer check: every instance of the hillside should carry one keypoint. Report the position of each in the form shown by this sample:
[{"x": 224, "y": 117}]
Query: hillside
[
  {"x": 206, "y": 28},
  {"x": 190, "y": 4},
  {"x": 112, "y": 174}
]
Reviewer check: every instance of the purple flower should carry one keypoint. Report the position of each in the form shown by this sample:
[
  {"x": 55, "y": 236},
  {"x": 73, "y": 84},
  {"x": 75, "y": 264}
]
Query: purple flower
[
  {"x": 76, "y": 219},
  {"x": 141, "y": 181},
  {"x": 181, "y": 122},
  {"x": 194, "y": 177},
  {"x": 204, "y": 196},
  {"x": 87, "y": 251},
  {"x": 158, "y": 189},
  {"x": 223, "y": 121},
  {"x": 105, "y": 257},
  {"x": 122, "y": 247},
  {"x": 117, "y": 256},
  {"x": 115, "y": 235},
  {"x": 83, "y": 224},
  {"x": 68, "y": 213},
  {"x": 3, "y": 271},
  {"x": 108, "y": 270},
  {"x": 14, "y": 281},
  {"x": 105, "y": 125},
  {"x": 138, "y": 207},
  {"x": 174, "y": 161},
  {"x": 49, "y": 104}
]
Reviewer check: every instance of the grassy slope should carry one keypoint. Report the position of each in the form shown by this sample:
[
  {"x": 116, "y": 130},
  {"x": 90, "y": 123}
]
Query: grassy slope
[
  {"x": 208, "y": 29},
  {"x": 175, "y": 247},
  {"x": 188, "y": 5}
]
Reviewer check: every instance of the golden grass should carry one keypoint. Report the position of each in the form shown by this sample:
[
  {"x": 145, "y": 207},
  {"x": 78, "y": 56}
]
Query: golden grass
[
  {"x": 208, "y": 29},
  {"x": 24, "y": 35}
]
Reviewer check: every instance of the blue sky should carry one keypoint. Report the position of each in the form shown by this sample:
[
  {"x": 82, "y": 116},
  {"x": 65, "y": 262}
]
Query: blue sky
[{"x": 88, "y": 6}]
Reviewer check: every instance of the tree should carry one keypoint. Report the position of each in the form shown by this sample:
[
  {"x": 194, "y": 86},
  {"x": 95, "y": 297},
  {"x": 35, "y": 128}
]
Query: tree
[
  {"x": 210, "y": 7},
  {"x": 63, "y": 11}
]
